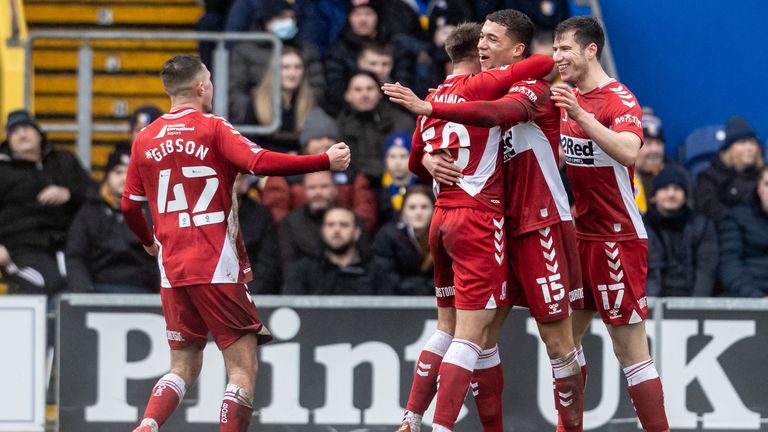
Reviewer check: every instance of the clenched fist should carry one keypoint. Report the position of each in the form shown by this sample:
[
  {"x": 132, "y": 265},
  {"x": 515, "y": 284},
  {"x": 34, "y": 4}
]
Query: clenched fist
[{"x": 339, "y": 156}]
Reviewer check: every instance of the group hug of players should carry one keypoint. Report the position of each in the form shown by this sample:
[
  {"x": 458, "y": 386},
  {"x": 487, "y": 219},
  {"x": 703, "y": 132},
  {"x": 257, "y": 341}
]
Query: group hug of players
[{"x": 503, "y": 235}]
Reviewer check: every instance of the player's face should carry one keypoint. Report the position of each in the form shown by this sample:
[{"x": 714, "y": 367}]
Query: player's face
[
  {"x": 379, "y": 64},
  {"x": 25, "y": 139},
  {"x": 319, "y": 190},
  {"x": 339, "y": 230},
  {"x": 363, "y": 93},
  {"x": 570, "y": 58},
  {"x": 363, "y": 21},
  {"x": 207, "y": 95},
  {"x": 417, "y": 210},
  {"x": 495, "y": 47},
  {"x": 670, "y": 198},
  {"x": 397, "y": 162},
  {"x": 650, "y": 158},
  {"x": 291, "y": 71},
  {"x": 116, "y": 179}
]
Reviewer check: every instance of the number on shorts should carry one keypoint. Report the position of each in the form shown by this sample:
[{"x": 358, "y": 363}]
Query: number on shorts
[
  {"x": 179, "y": 202},
  {"x": 551, "y": 288},
  {"x": 604, "y": 289},
  {"x": 450, "y": 128}
]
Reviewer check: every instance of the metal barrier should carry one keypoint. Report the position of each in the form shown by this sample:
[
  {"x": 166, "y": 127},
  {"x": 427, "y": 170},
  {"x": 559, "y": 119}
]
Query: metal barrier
[{"x": 84, "y": 125}]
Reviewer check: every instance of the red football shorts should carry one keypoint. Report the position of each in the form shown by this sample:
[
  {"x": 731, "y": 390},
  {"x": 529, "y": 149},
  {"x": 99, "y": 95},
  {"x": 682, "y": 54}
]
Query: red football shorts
[
  {"x": 540, "y": 275},
  {"x": 467, "y": 246},
  {"x": 615, "y": 274},
  {"x": 226, "y": 310}
]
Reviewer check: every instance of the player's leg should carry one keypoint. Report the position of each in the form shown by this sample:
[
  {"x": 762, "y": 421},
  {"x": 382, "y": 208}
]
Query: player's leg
[
  {"x": 475, "y": 242},
  {"x": 424, "y": 385},
  {"x": 232, "y": 318},
  {"x": 619, "y": 272},
  {"x": 187, "y": 336},
  {"x": 487, "y": 382}
]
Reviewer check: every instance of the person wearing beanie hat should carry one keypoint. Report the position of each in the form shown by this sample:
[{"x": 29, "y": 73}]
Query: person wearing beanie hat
[
  {"x": 682, "y": 243},
  {"x": 143, "y": 117},
  {"x": 40, "y": 192},
  {"x": 743, "y": 236},
  {"x": 318, "y": 125},
  {"x": 730, "y": 179},
  {"x": 102, "y": 253},
  {"x": 651, "y": 158},
  {"x": 397, "y": 178}
]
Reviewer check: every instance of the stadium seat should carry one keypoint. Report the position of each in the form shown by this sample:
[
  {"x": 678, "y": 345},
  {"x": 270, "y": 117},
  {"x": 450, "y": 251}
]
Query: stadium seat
[{"x": 699, "y": 148}]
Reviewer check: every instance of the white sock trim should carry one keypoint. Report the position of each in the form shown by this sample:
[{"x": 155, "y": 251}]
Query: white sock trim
[
  {"x": 437, "y": 428},
  {"x": 580, "y": 357},
  {"x": 439, "y": 342},
  {"x": 238, "y": 395},
  {"x": 488, "y": 358},
  {"x": 174, "y": 382},
  {"x": 414, "y": 420},
  {"x": 566, "y": 365},
  {"x": 153, "y": 427},
  {"x": 463, "y": 353},
  {"x": 640, "y": 372}
]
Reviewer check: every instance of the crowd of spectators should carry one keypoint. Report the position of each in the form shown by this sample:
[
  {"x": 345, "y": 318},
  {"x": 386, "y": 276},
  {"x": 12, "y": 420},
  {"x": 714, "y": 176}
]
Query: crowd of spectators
[{"x": 365, "y": 230}]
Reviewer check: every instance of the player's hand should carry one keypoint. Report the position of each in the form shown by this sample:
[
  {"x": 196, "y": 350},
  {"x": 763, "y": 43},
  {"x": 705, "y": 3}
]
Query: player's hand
[
  {"x": 404, "y": 96},
  {"x": 53, "y": 195},
  {"x": 563, "y": 96},
  {"x": 5, "y": 257},
  {"x": 339, "y": 156},
  {"x": 152, "y": 250},
  {"x": 442, "y": 168}
]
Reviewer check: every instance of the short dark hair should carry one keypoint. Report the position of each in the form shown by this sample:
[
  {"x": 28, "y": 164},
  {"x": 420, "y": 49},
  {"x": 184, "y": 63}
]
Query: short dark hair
[
  {"x": 519, "y": 26},
  {"x": 178, "y": 72},
  {"x": 419, "y": 189},
  {"x": 461, "y": 44},
  {"x": 377, "y": 47},
  {"x": 586, "y": 30}
]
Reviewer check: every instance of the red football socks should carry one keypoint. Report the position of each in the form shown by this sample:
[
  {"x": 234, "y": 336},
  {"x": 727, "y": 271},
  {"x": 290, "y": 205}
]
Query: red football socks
[
  {"x": 569, "y": 392},
  {"x": 424, "y": 385},
  {"x": 236, "y": 410},
  {"x": 166, "y": 395},
  {"x": 644, "y": 387},
  {"x": 487, "y": 386},
  {"x": 455, "y": 374}
]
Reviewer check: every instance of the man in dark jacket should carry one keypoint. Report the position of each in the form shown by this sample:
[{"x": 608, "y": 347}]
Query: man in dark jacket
[
  {"x": 103, "y": 255},
  {"x": 744, "y": 245},
  {"x": 367, "y": 121},
  {"x": 40, "y": 191},
  {"x": 682, "y": 244},
  {"x": 340, "y": 269}
]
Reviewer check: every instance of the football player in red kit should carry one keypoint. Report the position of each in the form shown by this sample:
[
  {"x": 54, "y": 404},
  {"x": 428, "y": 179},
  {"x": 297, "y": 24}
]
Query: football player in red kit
[
  {"x": 541, "y": 246},
  {"x": 601, "y": 133},
  {"x": 184, "y": 166}
]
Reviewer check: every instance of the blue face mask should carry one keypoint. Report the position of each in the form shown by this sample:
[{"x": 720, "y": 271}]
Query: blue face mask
[{"x": 284, "y": 28}]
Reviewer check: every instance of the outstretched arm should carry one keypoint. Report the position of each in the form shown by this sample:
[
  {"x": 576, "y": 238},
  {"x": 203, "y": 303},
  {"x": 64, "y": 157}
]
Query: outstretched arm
[{"x": 494, "y": 83}]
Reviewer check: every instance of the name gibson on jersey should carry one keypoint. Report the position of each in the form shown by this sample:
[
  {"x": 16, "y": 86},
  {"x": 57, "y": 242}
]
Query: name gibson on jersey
[{"x": 179, "y": 145}]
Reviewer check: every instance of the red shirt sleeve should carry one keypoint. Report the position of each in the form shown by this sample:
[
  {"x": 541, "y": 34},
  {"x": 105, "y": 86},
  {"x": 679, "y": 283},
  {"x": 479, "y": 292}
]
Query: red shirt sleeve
[
  {"x": 517, "y": 106},
  {"x": 625, "y": 112},
  {"x": 417, "y": 153},
  {"x": 494, "y": 83},
  {"x": 133, "y": 196},
  {"x": 247, "y": 156}
]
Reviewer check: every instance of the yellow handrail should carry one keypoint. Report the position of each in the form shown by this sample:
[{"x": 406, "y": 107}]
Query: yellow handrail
[{"x": 13, "y": 33}]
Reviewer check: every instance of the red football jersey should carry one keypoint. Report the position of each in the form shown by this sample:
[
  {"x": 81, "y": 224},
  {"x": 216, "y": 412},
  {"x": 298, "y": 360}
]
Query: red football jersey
[
  {"x": 534, "y": 192},
  {"x": 602, "y": 187},
  {"x": 184, "y": 164}
]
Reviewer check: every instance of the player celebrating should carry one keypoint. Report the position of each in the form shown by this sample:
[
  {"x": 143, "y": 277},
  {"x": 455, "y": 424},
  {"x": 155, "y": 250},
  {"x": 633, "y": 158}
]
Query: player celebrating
[
  {"x": 184, "y": 165},
  {"x": 601, "y": 133},
  {"x": 539, "y": 223}
]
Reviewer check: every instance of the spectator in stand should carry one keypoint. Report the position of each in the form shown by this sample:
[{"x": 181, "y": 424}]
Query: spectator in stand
[
  {"x": 366, "y": 121},
  {"x": 397, "y": 178},
  {"x": 103, "y": 255},
  {"x": 682, "y": 244},
  {"x": 41, "y": 190},
  {"x": 545, "y": 14},
  {"x": 340, "y": 268},
  {"x": 731, "y": 178},
  {"x": 363, "y": 25},
  {"x": 651, "y": 159},
  {"x": 401, "y": 259},
  {"x": 744, "y": 245},
  {"x": 260, "y": 238},
  {"x": 284, "y": 194},
  {"x": 212, "y": 21},
  {"x": 378, "y": 59},
  {"x": 296, "y": 102},
  {"x": 141, "y": 118},
  {"x": 249, "y": 60}
]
